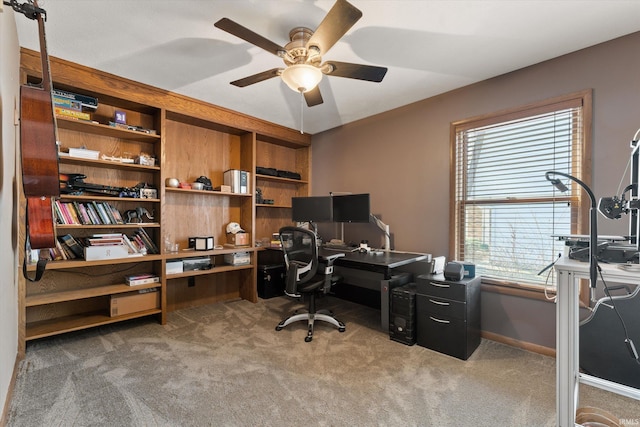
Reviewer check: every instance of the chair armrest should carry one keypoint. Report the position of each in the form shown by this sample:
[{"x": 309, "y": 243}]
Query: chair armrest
[{"x": 331, "y": 258}]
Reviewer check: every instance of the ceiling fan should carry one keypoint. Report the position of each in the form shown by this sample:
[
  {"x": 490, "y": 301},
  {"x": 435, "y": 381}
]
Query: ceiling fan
[{"x": 303, "y": 54}]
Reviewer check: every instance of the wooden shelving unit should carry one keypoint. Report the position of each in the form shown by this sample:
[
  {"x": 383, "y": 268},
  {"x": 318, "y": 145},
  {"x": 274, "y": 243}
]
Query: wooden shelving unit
[{"x": 191, "y": 139}]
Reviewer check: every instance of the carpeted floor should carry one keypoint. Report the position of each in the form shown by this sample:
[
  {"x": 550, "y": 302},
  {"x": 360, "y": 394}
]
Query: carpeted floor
[{"x": 225, "y": 365}]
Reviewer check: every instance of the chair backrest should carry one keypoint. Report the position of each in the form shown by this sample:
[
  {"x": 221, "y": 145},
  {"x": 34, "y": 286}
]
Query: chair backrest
[{"x": 300, "y": 250}]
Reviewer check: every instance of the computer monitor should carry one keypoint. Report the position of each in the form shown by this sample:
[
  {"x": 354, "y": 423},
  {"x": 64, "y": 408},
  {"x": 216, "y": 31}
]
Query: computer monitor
[
  {"x": 311, "y": 209},
  {"x": 351, "y": 208}
]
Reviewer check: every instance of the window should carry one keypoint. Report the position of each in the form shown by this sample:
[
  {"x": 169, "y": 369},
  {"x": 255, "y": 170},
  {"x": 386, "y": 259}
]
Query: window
[{"x": 504, "y": 211}]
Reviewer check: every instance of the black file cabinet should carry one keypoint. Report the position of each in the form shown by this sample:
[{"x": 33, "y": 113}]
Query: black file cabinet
[{"x": 448, "y": 314}]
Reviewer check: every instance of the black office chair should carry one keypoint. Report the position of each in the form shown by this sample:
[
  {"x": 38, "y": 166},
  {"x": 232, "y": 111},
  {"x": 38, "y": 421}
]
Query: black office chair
[{"x": 307, "y": 276}]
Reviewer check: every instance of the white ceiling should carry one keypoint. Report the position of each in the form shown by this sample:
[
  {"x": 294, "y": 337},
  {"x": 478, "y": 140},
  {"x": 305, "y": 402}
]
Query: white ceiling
[{"x": 430, "y": 47}]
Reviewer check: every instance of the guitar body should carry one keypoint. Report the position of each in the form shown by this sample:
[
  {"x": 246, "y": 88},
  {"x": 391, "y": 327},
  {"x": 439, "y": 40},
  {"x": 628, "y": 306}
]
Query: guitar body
[
  {"x": 38, "y": 143},
  {"x": 39, "y": 151},
  {"x": 41, "y": 230}
]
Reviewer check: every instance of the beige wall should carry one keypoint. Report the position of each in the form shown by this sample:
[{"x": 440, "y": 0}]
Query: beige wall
[
  {"x": 401, "y": 157},
  {"x": 9, "y": 97}
]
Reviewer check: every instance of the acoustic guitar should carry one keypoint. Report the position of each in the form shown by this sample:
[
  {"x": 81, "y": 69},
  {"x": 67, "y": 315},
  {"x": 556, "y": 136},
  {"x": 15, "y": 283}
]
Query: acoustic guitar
[{"x": 38, "y": 136}]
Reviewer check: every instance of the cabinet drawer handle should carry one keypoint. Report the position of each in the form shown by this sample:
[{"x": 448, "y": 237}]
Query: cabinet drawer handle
[
  {"x": 438, "y": 320},
  {"x": 439, "y": 285},
  {"x": 438, "y": 302}
]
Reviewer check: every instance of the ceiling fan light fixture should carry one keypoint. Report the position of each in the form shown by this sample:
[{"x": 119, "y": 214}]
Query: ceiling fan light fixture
[{"x": 301, "y": 77}]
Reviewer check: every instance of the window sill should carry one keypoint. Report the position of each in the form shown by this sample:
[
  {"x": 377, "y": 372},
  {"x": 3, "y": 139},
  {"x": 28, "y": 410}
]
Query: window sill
[{"x": 522, "y": 291}]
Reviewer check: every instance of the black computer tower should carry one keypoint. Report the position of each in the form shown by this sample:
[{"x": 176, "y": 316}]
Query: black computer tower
[
  {"x": 271, "y": 280},
  {"x": 402, "y": 314}
]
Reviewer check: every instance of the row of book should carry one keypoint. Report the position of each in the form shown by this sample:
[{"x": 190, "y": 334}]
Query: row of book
[
  {"x": 99, "y": 246},
  {"x": 72, "y": 105},
  {"x": 87, "y": 213}
]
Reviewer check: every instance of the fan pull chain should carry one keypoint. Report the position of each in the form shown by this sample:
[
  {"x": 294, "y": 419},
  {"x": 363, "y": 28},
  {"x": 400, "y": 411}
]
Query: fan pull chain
[{"x": 301, "y": 111}]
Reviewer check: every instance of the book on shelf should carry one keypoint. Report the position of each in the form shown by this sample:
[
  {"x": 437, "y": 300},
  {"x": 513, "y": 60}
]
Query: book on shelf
[
  {"x": 93, "y": 214},
  {"x": 67, "y": 103},
  {"x": 147, "y": 240},
  {"x": 86, "y": 101},
  {"x": 115, "y": 213},
  {"x": 141, "y": 279},
  {"x": 82, "y": 209},
  {"x": 72, "y": 114},
  {"x": 101, "y": 213},
  {"x": 238, "y": 180},
  {"x": 60, "y": 216},
  {"x": 75, "y": 247}
]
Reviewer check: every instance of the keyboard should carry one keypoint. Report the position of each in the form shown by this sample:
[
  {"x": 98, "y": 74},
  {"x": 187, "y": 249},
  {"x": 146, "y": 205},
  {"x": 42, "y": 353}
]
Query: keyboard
[{"x": 338, "y": 248}]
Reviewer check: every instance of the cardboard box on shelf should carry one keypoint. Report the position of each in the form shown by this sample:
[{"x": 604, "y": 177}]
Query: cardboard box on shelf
[
  {"x": 174, "y": 266},
  {"x": 132, "y": 302},
  {"x": 238, "y": 239},
  {"x": 238, "y": 258},
  {"x": 92, "y": 253}
]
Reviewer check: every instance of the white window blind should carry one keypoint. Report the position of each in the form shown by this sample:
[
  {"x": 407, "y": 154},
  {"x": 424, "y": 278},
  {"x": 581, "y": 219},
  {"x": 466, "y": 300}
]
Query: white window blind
[{"x": 505, "y": 211}]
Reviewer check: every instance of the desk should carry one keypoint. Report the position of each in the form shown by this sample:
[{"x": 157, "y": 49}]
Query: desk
[
  {"x": 381, "y": 269},
  {"x": 568, "y": 376}
]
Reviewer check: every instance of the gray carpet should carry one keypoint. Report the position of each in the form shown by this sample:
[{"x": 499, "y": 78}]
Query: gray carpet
[{"x": 225, "y": 365}]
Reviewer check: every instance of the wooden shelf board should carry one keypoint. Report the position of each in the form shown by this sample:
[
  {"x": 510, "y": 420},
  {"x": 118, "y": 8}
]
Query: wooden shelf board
[
  {"x": 76, "y": 294},
  {"x": 101, "y": 226},
  {"x": 206, "y": 192},
  {"x": 261, "y": 205},
  {"x": 107, "y": 164},
  {"x": 78, "y": 322},
  {"x": 100, "y": 129},
  {"x": 106, "y": 198},
  {"x": 59, "y": 265},
  {"x": 214, "y": 270},
  {"x": 191, "y": 253},
  {"x": 280, "y": 179}
]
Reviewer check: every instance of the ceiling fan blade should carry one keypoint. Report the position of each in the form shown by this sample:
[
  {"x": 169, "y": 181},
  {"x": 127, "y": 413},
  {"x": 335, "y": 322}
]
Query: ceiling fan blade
[
  {"x": 356, "y": 71},
  {"x": 265, "y": 75},
  {"x": 244, "y": 33},
  {"x": 340, "y": 18},
  {"x": 313, "y": 97}
]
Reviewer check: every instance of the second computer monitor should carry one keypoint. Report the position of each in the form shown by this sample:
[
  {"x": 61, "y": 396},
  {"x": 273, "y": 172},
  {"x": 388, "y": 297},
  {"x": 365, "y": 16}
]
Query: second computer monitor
[
  {"x": 351, "y": 208},
  {"x": 311, "y": 209}
]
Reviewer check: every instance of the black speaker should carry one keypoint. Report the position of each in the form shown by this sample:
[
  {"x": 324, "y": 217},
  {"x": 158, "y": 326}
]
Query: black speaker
[
  {"x": 402, "y": 314},
  {"x": 454, "y": 271}
]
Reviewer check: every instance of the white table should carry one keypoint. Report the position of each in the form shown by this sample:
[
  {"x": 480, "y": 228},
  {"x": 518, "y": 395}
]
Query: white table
[{"x": 568, "y": 376}]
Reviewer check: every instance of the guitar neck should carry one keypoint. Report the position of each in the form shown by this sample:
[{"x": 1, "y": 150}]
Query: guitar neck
[{"x": 44, "y": 57}]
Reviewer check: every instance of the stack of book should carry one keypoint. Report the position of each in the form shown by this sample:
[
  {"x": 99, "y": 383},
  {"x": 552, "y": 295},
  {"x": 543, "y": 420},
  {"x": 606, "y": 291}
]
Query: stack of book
[
  {"x": 67, "y": 247},
  {"x": 138, "y": 244},
  {"x": 87, "y": 213},
  {"x": 141, "y": 279},
  {"x": 103, "y": 246},
  {"x": 72, "y": 105}
]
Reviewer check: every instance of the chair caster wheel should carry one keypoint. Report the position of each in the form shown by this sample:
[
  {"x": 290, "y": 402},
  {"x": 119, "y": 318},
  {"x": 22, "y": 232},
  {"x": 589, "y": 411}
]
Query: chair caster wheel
[
  {"x": 308, "y": 339},
  {"x": 341, "y": 329},
  {"x": 278, "y": 328}
]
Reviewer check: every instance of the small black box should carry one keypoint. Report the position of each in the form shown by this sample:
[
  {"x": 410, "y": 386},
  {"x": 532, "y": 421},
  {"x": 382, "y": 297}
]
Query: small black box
[
  {"x": 271, "y": 280},
  {"x": 402, "y": 314}
]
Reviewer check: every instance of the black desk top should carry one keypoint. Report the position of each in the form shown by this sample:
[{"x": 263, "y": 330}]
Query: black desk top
[{"x": 374, "y": 262}]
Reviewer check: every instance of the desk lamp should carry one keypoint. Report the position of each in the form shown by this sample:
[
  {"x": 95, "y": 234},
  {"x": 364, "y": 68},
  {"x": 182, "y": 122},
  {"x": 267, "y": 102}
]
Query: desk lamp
[{"x": 593, "y": 224}]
